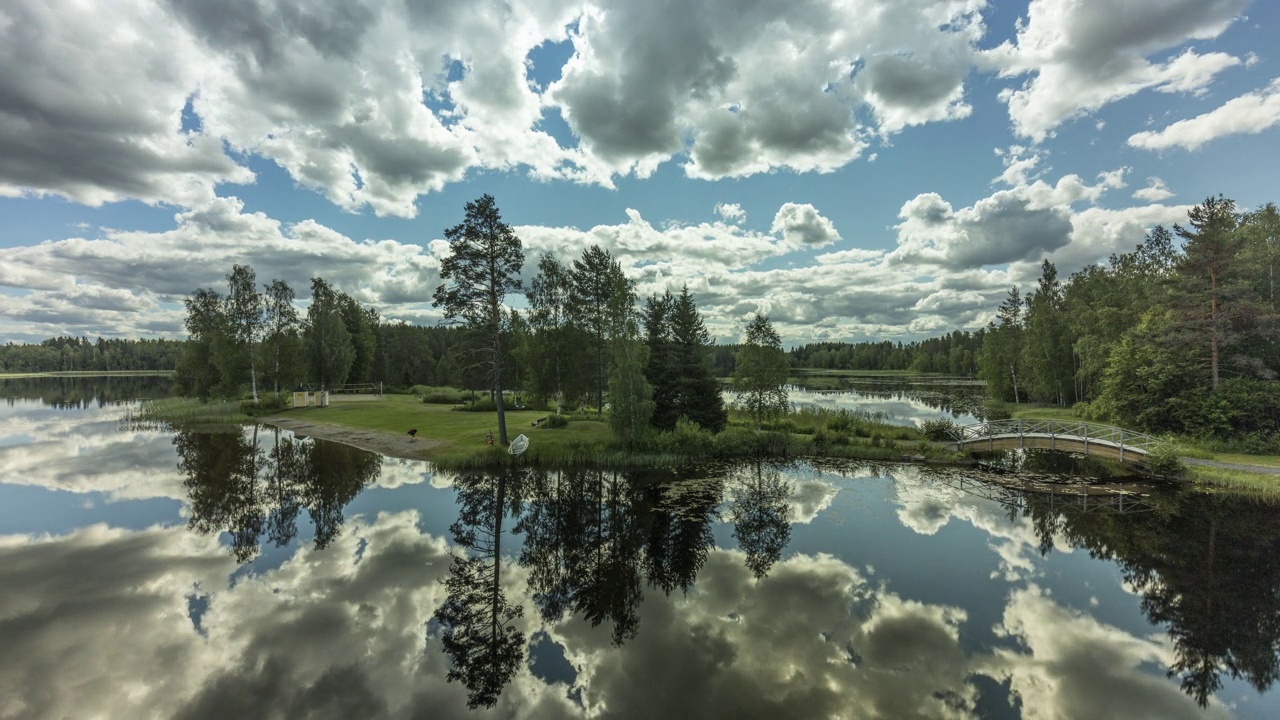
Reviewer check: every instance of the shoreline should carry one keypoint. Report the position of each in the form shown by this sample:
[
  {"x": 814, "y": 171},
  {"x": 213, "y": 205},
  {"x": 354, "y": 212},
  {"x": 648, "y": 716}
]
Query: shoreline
[{"x": 386, "y": 443}]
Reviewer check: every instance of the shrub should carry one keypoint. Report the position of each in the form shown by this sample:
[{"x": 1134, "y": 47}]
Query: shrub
[
  {"x": 938, "y": 429},
  {"x": 687, "y": 439},
  {"x": 480, "y": 405},
  {"x": 267, "y": 404},
  {"x": 556, "y": 421},
  {"x": 1163, "y": 461}
]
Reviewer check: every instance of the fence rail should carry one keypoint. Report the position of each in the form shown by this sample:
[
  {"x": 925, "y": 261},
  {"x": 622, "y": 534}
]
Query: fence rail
[{"x": 1070, "y": 431}]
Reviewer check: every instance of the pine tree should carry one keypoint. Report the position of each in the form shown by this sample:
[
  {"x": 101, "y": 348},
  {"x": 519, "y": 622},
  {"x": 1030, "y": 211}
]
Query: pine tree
[
  {"x": 699, "y": 396},
  {"x": 483, "y": 266}
]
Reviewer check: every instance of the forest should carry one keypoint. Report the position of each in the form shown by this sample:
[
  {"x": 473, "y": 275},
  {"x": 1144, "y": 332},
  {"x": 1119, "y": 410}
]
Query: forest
[{"x": 1179, "y": 335}]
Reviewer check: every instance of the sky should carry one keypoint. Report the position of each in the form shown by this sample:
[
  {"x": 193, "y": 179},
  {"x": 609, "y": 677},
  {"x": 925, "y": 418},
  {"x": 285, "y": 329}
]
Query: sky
[{"x": 855, "y": 169}]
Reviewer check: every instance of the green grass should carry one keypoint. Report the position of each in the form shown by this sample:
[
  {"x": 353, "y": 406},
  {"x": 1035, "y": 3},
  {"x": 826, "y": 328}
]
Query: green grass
[
  {"x": 1028, "y": 411},
  {"x": 1267, "y": 486},
  {"x": 461, "y": 432},
  {"x": 589, "y": 441},
  {"x": 1242, "y": 459}
]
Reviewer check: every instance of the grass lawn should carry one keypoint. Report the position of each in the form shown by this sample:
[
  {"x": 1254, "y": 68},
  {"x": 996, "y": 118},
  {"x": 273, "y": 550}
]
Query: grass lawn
[
  {"x": 461, "y": 432},
  {"x": 1263, "y": 486},
  {"x": 1027, "y": 411},
  {"x": 1264, "y": 460}
]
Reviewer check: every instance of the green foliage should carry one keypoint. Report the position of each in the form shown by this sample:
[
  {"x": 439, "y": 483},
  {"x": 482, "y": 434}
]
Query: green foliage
[
  {"x": 329, "y": 349},
  {"x": 938, "y": 429},
  {"x": 1163, "y": 461},
  {"x": 679, "y": 366},
  {"x": 761, "y": 372},
  {"x": 480, "y": 404},
  {"x": 1000, "y": 358},
  {"x": 439, "y": 395},
  {"x": 182, "y": 412},
  {"x": 601, "y": 301},
  {"x": 686, "y": 438},
  {"x": 630, "y": 395},
  {"x": 556, "y": 421},
  {"x": 484, "y": 264},
  {"x": 268, "y": 404}
]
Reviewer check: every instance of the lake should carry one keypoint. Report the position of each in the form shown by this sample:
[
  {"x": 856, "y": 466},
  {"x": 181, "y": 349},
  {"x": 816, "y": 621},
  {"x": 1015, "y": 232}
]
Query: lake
[{"x": 251, "y": 573}]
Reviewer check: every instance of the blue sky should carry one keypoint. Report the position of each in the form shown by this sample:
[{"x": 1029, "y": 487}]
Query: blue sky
[{"x": 854, "y": 168}]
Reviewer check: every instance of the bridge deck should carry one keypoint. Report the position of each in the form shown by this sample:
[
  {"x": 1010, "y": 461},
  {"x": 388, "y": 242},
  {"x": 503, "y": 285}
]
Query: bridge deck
[{"x": 1089, "y": 438}]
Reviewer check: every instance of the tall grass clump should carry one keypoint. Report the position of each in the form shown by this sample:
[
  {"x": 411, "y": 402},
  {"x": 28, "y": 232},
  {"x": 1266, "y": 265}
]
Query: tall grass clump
[{"x": 185, "y": 412}]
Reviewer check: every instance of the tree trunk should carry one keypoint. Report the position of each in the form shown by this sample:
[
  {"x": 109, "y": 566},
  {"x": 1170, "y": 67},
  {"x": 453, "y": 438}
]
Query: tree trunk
[
  {"x": 1213, "y": 322},
  {"x": 497, "y": 555},
  {"x": 1014, "y": 374},
  {"x": 497, "y": 385}
]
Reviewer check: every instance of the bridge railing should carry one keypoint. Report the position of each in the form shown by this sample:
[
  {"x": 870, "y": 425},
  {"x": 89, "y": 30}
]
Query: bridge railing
[{"x": 1086, "y": 432}]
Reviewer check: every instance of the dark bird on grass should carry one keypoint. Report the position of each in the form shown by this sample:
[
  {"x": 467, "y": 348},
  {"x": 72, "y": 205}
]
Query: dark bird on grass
[{"x": 413, "y": 434}]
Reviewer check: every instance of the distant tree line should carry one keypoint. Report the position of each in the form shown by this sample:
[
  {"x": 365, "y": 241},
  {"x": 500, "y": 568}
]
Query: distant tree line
[
  {"x": 1164, "y": 338},
  {"x": 257, "y": 338},
  {"x": 954, "y": 354},
  {"x": 62, "y": 354}
]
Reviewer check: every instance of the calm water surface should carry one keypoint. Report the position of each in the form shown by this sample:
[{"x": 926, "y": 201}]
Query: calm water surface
[{"x": 152, "y": 573}]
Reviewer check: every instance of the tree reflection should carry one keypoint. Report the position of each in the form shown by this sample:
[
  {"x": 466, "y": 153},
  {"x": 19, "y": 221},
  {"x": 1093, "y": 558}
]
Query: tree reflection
[
  {"x": 582, "y": 547},
  {"x": 483, "y": 645},
  {"x": 680, "y": 531},
  {"x": 1207, "y": 568},
  {"x": 759, "y": 512},
  {"x": 234, "y": 486}
]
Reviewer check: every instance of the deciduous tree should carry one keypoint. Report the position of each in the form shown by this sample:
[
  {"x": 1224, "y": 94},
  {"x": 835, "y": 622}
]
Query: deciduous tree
[{"x": 761, "y": 371}]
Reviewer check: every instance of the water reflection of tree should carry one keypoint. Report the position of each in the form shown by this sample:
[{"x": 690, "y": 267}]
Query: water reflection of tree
[
  {"x": 759, "y": 512},
  {"x": 483, "y": 645},
  {"x": 680, "y": 531},
  {"x": 582, "y": 547},
  {"x": 1207, "y": 567},
  {"x": 78, "y": 393},
  {"x": 234, "y": 486}
]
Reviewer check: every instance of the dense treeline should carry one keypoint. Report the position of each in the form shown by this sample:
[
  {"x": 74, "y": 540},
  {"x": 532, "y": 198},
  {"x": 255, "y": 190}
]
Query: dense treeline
[
  {"x": 63, "y": 354},
  {"x": 1165, "y": 338},
  {"x": 954, "y": 354},
  {"x": 338, "y": 342}
]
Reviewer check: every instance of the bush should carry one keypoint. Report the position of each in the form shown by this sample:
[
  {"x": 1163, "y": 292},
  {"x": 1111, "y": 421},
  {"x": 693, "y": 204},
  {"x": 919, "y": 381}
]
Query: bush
[
  {"x": 556, "y": 421},
  {"x": 438, "y": 395},
  {"x": 687, "y": 439},
  {"x": 267, "y": 404},
  {"x": 938, "y": 429},
  {"x": 1163, "y": 461},
  {"x": 483, "y": 404}
]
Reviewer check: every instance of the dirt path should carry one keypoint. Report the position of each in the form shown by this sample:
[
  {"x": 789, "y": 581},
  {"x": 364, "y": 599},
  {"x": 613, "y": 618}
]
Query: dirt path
[{"x": 384, "y": 442}]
